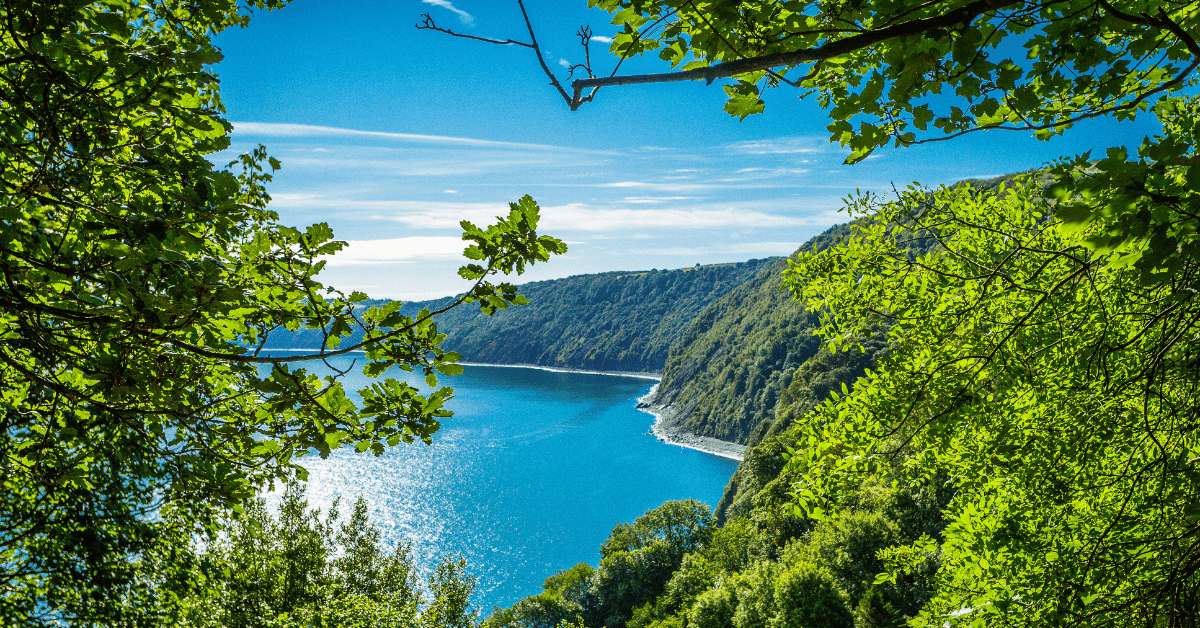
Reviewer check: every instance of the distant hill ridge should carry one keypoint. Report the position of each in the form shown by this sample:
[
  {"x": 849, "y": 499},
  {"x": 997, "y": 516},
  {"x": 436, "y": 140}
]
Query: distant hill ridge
[
  {"x": 732, "y": 346},
  {"x": 612, "y": 321},
  {"x": 738, "y": 356}
]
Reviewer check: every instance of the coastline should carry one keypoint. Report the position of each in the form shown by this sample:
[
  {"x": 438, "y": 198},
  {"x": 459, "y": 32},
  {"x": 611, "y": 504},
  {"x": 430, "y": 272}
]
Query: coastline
[
  {"x": 637, "y": 374},
  {"x": 662, "y": 415},
  {"x": 640, "y": 375},
  {"x": 675, "y": 436}
]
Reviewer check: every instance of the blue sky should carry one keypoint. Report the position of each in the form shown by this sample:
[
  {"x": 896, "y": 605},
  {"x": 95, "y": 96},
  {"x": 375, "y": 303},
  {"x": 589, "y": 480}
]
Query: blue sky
[{"x": 392, "y": 135}]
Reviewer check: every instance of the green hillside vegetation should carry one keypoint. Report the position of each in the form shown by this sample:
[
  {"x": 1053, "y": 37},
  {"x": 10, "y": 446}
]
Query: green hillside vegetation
[
  {"x": 754, "y": 353},
  {"x": 764, "y": 569},
  {"x": 990, "y": 465},
  {"x": 615, "y": 321},
  {"x": 728, "y": 369}
]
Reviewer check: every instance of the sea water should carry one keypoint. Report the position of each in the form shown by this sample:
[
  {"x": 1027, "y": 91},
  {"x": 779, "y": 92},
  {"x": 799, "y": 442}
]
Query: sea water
[{"x": 528, "y": 477}]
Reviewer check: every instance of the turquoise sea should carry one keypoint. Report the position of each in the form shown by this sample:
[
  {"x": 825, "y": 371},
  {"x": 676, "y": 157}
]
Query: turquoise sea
[{"x": 528, "y": 477}]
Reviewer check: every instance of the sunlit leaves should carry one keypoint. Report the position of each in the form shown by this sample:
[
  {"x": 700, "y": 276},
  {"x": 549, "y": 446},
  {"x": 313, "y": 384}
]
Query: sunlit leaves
[
  {"x": 1048, "y": 378},
  {"x": 887, "y": 69},
  {"x": 506, "y": 247},
  {"x": 1139, "y": 213},
  {"x": 743, "y": 99},
  {"x": 141, "y": 282}
]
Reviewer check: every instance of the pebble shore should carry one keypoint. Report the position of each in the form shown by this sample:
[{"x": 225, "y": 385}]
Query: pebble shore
[{"x": 668, "y": 433}]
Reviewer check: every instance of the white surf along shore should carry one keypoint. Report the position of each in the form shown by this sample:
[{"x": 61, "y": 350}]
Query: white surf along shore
[
  {"x": 661, "y": 427},
  {"x": 672, "y": 435},
  {"x": 662, "y": 415}
]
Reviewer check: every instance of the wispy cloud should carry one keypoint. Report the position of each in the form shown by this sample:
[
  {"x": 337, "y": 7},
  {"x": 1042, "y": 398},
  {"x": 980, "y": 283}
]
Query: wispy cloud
[
  {"x": 763, "y": 181},
  {"x": 406, "y": 166},
  {"x": 397, "y": 250},
  {"x": 274, "y": 129},
  {"x": 584, "y": 218},
  {"x": 564, "y": 63},
  {"x": 574, "y": 217},
  {"x": 602, "y": 38},
  {"x": 463, "y": 16},
  {"x": 656, "y": 199},
  {"x": 780, "y": 146},
  {"x": 753, "y": 249},
  {"x": 658, "y": 186}
]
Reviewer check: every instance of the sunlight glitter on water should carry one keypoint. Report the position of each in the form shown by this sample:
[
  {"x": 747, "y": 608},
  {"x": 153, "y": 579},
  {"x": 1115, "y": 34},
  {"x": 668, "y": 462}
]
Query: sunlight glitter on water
[{"x": 527, "y": 478}]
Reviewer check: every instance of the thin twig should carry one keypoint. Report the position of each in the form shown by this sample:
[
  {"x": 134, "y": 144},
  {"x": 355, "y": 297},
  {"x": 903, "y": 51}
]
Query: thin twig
[{"x": 428, "y": 24}]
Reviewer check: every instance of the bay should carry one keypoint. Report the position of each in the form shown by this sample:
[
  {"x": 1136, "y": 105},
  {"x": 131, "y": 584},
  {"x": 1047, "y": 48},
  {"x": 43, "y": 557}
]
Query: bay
[{"x": 528, "y": 477}]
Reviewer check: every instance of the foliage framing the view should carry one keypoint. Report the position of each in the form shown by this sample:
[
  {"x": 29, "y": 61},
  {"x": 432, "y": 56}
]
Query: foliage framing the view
[
  {"x": 911, "y": 72},
  {"x": 1047, "y": 367},
  {"x": 299, "y": 570},
  {"x": 1041, "y": 356},
  {"x": 138, "y": 281}
]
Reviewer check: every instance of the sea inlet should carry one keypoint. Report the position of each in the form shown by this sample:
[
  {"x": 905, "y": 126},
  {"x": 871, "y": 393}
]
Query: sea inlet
[{"x": 528, "y": 477}]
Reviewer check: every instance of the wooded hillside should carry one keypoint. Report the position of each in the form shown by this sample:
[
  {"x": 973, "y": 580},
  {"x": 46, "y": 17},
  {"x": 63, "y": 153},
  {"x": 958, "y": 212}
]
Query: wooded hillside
[{"x": 615, "y": 321}]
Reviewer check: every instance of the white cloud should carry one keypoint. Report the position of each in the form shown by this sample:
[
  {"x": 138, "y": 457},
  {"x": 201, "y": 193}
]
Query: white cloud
[
  {"x": 780, "y": 146},
  {"x": 564, "y": 63},
  {"x": 752, "y": 249},
  {"x": 274, "y": 129},
  {"x": 658, "y": 186},
  {"x": 414, "y": 168},
  {"x": 759, "y": 174},
  {"x": 580, "y": 217},
  {"x": 572, "y": 217},
  {"x": 463, "y": 16},
  {"x": 397, "y": 250},
  {"x": 602, "y": 38},
  {"x": 662, "y": 186},
  {"x": 449, "y": 191},
  {"x": 416, "y": 214},
  {"x": 655, "y": 199}
]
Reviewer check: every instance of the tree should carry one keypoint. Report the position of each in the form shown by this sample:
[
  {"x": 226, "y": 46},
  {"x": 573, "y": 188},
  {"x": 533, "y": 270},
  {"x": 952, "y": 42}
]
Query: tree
[
  {"x": 909, "y": 72},
  {"x": 1051, "y": 384},
  {"x": 638, "y": 559},
  {"x": 563, "y": 599},
  {"x": 296, "y": 569},
  {"x": 139, "y": 282},
  {"x": 1042, "y": 350}
]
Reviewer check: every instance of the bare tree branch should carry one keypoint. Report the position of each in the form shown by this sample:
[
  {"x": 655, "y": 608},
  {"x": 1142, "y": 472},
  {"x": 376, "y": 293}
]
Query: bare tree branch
[
  {"x": 865, "y": 39},
  {"x": 538, "y": 51},
  {"x": 746, "y": 65},
  {"x": 427, "y": 23}
]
